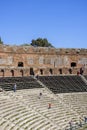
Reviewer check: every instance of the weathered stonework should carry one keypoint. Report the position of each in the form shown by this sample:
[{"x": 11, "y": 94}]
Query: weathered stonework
[{"x": 28, "y": 60}]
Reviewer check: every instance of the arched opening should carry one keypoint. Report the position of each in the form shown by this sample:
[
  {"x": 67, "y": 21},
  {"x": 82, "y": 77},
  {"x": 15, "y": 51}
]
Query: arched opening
[
  {"x": 31, "y": 71},
  {"x": 51, "y": 71},
  {"x": 81, "y": 71},
  {"x": 60, "y": 71},
  {"x": 70, "y": 71},
  {"x": 22, "y": 73},
  {"x": 41, "y": 71},
  {"x": 73, "y": 64},
  {"x": 20, "y": 64},
  {"x": 12, "y": 71},
  {"x": 2, "y": 72}
]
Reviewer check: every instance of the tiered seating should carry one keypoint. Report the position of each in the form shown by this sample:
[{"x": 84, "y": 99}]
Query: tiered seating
[
  {"x": 78, "y": 103},
  {"x": 7, "y": 83},
  {"x": 26, "y": 110},
  {"x": 17, "y": 114},
  {"x": 64, "y": 84},
  {"x": 59, "y": 114}
]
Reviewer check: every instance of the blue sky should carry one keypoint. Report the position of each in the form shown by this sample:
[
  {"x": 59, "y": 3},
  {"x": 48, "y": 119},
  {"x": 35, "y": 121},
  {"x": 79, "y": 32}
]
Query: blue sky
[{"x": 62, "y": 22}]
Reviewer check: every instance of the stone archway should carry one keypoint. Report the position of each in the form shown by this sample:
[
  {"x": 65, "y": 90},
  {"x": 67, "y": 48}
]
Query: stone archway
[
  {"x": 12, "y": 73},
  {"x": 3, "y": 72},
  {"x": 60, "y": 71},
  {"x": 51, "y": 71},
  {"x": 41, "y": 71},
  {"x": 70, "y": 71},
  {"x": 22, "y": 73},
  {"x": 31, "y": 71}
]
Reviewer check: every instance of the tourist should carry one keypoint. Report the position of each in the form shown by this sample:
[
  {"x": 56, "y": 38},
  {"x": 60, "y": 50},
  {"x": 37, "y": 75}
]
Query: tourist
[
  {"x": 49, "y": 105},
  {"x": 15, "y": 86},
  {"x": 70, "y": 123},
  {"x": 80, "y": 122},
  {"x": 85, "y": 119},
  {"x": 40, "y": 94}
]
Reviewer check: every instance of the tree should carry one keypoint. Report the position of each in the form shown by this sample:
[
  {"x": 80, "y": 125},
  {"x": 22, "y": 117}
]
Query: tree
[
  {"x": 41, "y": 42},
  {"x": 1, "y": 42}
]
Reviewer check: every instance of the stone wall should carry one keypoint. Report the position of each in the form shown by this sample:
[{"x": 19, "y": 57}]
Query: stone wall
[{"x": 28, "y": 60}]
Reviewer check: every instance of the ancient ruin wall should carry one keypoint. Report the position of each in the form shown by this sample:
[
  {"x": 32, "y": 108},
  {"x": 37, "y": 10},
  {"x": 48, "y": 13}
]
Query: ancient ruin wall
[{"x": 28, "y": 60}]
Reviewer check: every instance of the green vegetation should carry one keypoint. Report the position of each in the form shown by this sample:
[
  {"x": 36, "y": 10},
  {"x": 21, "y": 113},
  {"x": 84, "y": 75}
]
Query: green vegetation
[{"x": 39, "y": 42}]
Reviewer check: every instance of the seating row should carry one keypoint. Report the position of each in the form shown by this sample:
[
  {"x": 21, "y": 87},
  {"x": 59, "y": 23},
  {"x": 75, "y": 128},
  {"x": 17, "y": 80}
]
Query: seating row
[{"x": 64, "y": 84}]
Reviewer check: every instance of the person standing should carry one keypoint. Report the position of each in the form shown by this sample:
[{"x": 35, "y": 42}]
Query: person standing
[
  {"x": 49, "y": 105},
  {"x": 85, "y": 119},
  {"x": 15, "y": 86}
]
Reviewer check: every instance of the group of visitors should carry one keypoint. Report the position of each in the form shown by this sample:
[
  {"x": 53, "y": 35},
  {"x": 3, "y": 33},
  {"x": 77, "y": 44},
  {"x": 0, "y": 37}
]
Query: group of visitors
[{"x": 80, "y": 124}]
